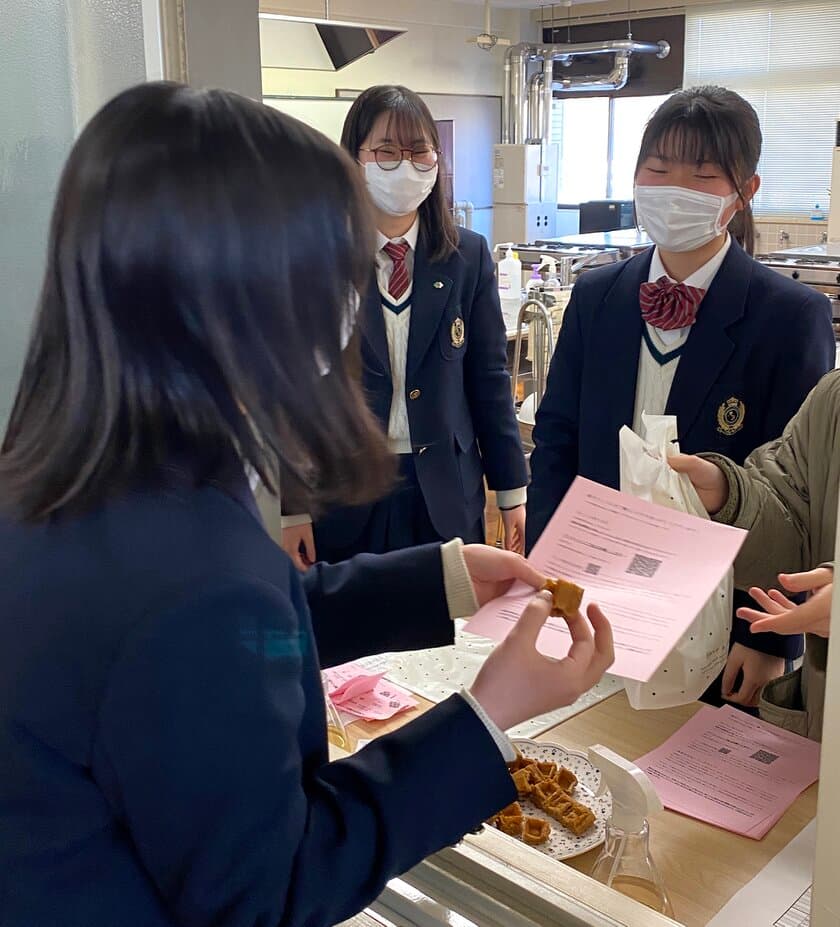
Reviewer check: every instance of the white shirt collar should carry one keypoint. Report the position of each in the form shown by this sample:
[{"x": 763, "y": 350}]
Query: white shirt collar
[
  {"x": 410, "y": 237},
  {"x": 701, "y": 278}
]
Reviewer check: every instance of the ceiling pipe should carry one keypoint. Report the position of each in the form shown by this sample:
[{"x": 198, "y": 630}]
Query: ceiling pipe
[
  {"x": 526, "y": 104},
  {"x": 535, "y": 106},
  {"x": 538, "y": 124},
  {"x": 630, "y": 46},
  {"x": 513, "y": 103},
  {"x": 544, "y": 124},
  {"x": 539, "y": 102},
  {"x": 615, "y": 80},
  {"x": 506, "y": 102}
]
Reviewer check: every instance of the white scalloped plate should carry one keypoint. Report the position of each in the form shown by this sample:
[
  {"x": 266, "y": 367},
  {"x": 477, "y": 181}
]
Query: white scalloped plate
[{"x": 563, "y": 844}]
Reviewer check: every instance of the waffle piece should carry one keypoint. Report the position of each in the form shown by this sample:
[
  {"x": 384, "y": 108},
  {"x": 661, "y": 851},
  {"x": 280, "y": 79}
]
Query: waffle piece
[
  {"x": 511, "y": 824},
  {"x": 578, "y": 819},
  {"x": 558, "y": 806},
  {"x": 513, "y": 810},
  {"x": 535, "y": 830},
  {"x": 535, "y": 774},
  {"x": 566, "y": 779},
  {"x": 523, "y": 781},
  {"x": 549, "y": 770},
  {"x": 566, "y": 597},
  {"x": 545, "y": 791},
  {"x": 519, "y": 763}
]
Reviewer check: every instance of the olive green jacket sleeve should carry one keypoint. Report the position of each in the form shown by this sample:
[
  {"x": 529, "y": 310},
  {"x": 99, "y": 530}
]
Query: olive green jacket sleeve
[{"x": 786, "y": 494}]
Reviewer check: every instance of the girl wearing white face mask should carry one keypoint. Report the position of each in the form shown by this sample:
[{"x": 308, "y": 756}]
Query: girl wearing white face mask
[
  {"x": 694, "y": 327},
  {"x": 433, "y": 353}
]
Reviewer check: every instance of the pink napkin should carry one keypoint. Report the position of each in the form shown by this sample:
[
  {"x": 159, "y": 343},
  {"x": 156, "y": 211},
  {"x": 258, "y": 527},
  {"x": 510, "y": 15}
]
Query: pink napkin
[{"x": 369, "y": 697}]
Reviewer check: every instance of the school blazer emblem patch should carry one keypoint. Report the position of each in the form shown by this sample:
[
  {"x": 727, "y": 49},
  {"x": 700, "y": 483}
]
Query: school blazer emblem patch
[
  {"x": 730, "y": 416},
  {"x": 456, "y": 333}
]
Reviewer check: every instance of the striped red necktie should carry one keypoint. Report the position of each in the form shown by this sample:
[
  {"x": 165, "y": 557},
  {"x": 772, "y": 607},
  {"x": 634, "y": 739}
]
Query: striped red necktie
[
  {"x": 398, "y": 283},
  {"x": 667, "y": 305}
]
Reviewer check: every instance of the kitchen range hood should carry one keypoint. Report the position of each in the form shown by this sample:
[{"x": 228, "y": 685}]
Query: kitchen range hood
[{"x": 317, "y": 44}]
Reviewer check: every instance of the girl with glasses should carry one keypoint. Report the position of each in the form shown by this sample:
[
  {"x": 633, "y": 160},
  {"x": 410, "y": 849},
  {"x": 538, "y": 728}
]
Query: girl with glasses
[{"x": 433, "y": 354}]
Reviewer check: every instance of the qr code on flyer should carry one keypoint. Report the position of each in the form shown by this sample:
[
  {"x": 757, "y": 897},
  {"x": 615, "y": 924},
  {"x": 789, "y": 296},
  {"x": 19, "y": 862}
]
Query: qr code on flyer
[
  {"x": 643, "y": 566},
  {"x": 764, "y": 756}
]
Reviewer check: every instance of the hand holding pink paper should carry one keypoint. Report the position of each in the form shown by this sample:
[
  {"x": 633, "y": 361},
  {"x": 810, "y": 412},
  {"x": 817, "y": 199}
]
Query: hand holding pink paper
[{"x": 651, "y": 569}]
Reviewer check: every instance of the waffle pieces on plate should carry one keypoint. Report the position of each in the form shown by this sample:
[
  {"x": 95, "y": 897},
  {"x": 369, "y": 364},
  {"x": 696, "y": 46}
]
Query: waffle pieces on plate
[{"x": 550, "y": 788}]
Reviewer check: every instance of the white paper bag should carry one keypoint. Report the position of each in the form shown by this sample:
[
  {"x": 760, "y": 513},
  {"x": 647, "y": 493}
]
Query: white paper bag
[{"x": 701, "y": 653}]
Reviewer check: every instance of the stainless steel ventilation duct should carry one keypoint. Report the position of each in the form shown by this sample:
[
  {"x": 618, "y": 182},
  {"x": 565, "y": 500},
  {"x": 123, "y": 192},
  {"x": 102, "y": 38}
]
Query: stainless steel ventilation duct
[
  {"x": 536, "y": 107},
  {"x": 615, "y": 80},
  {"x": 526, "y": 103},
  {"x": 536, "y": 129}
]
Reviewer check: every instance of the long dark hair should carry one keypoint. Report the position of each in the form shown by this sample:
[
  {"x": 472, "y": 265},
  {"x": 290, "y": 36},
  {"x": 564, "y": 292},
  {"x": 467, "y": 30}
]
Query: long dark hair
[
  {"x": 411, "y": 118},
  {"x": 714, "y": 125},
  {"x": 180, "y": 309}
]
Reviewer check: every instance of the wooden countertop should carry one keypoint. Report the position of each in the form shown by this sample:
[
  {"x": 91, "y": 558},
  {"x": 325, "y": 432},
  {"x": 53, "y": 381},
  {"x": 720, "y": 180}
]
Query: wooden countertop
[{"x": 703, "y": 866}]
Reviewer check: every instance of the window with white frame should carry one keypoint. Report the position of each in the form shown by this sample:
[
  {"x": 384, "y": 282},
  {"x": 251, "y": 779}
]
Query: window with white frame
[
  {"x": 784, "y": 57},
  {"x": 599, "y": 140}
]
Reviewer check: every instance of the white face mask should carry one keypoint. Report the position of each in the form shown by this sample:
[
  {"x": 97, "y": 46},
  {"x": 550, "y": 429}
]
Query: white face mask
[
  {"x": 679, "y": 219},
  {"x": 401, "y": 191}
]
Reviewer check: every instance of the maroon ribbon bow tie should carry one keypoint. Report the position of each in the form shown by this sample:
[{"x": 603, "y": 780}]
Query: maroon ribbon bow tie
[{"x": 667, "y": 305}]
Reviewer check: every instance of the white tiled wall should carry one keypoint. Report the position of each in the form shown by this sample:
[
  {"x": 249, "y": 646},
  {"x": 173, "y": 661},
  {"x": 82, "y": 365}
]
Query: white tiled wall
[{"x": 802, "y": 232}]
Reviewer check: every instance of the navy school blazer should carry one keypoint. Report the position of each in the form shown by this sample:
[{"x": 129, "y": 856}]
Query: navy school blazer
[
  {"x": 458, "y": 392},
  {"x": 162, "y": 728},
  {"x": 758, "y": 346}
]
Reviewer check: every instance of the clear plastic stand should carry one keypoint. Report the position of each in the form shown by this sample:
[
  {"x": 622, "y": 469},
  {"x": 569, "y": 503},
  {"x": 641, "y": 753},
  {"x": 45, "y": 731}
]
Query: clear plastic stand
[
  {"x": 339, "y": 742},
  {"x": 626, "y": 865}
]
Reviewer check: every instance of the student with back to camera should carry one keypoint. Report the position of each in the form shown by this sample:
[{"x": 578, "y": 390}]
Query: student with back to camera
[
  {"x": 694, "y": 327},
  {"x": 162, "y": 722}
]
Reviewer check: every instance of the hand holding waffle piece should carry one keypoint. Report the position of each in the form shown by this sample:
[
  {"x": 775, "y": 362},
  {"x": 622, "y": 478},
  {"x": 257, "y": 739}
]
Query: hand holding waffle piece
[{"x": 553, "y": 681}]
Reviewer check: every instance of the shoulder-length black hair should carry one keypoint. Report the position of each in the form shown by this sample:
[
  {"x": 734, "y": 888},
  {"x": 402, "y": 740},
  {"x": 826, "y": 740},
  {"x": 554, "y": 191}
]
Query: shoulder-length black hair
[
  {"x": 411, "y": 119},
  {"x": 180, "y": 308},
  {"x": 713, "y": 125}
]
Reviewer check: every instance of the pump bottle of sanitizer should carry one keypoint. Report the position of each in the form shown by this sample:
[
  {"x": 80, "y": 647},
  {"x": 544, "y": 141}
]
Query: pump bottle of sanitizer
[{"x": 625, "y": 863}]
